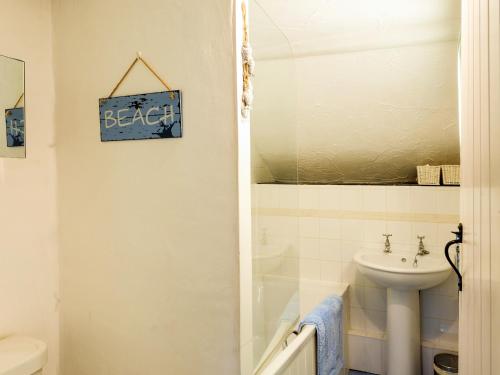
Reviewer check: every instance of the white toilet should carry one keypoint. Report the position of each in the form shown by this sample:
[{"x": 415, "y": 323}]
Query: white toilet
[{"x": 22, "y": 356}]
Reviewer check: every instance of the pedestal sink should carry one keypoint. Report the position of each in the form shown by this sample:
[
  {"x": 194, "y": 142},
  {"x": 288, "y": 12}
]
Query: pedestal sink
[{"x": 403, "y": 278}]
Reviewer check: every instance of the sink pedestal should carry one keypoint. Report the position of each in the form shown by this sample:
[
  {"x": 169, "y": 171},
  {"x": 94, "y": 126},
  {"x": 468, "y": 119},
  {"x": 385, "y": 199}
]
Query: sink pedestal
[
  {"x": 403, "y": 332},
  {"x": 403, "y": 280}
]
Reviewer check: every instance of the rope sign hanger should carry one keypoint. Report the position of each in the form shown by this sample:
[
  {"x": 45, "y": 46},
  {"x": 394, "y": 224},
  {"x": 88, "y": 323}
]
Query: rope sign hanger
[
  {"x": 17, "y": 103},
  {"x": 150, "y": 68},
  {"x": 19, "y": 100}
]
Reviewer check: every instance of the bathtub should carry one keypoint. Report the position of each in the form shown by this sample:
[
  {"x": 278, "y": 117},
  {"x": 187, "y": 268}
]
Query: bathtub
[{"x": 299, "y": 356}]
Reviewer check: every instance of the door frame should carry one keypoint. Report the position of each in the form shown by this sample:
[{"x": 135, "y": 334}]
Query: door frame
[{"x": 479, "y": 90}]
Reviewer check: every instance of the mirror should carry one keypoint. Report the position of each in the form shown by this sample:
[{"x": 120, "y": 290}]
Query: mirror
[{"x": 12, "y": 123}]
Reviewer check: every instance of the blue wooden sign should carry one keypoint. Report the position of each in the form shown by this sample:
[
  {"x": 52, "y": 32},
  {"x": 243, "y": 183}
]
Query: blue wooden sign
[
  {"x": 14, "y": 121},
  {"x": 144, "y": 116}
]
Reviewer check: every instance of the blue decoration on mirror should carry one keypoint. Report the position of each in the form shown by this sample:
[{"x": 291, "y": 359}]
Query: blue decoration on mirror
[
  {"x": 144, "y": 116},
  {"x": 14, "y": 121}
]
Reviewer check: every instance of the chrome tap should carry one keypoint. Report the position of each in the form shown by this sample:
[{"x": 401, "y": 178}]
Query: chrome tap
[
  {"x": 415, "y": 261},
  {"x": 421, "y": 247},
  {"x": 387, "y": 243},
  {"x": 421, "y": 250}
]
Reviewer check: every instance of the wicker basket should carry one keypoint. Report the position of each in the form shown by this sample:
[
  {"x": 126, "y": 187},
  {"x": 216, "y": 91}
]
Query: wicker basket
[
  {"x": 451, "y": 174},
  {"x": 428, "y": 174}
]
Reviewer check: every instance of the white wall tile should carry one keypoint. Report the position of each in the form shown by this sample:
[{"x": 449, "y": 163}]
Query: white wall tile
[
  {"x": 289, "y": 268},
  {"x": 329, "y": 197},
  {"x": 374, "y": 230},
  {"x": 279, "y": 225},
  {"x": 448, "y": 331},
  {"x": 424, "y": 199},
  {"x": 448, "y": 288},
  {"x": 309, "y": 227},
  {"x": 374, "y": 199},
  {"x": 352, "y": 230},
  {"x": 331, "y": 271},
  {"x": 349, "y": 248},
  {"x": 401, "y": 232},
  {"x": 429, "y": 230},
  {"x": 290, "y": 228},
  {"x": 309, "y": 196},
  {"x": 330, "y": 228},
  {"x": 288, "y": 196},
  {"x": 330, "y": 250},
  {"x": 351, "y": 198},
  {"x": 267, "y": 196},
  {"x": 444, "y": 233},
  {"x": 350, "y": 274},
  {"x": 448, "y": 200},
  {"x": 309, "y": 248},
  {"x": 292, "y": 249},
  {"x": 429, "y": 329},
  {"x": 398, "y": 199},
  {"x": 310, "y": 269},
  {"x": 448, "y": 307},
  {"x": 439, "y": 306},
  {"x": 373, "y": 247},
  {"x": 428, "y": 305}
]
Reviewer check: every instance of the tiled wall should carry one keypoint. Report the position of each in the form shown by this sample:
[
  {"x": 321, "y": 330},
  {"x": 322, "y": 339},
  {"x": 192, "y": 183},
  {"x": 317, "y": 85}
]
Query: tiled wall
[{"x": 337, "y": 221}]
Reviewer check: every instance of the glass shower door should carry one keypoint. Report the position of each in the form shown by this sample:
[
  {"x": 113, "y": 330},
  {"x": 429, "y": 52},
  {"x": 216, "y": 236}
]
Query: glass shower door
[{"x": 275, "y": 235}]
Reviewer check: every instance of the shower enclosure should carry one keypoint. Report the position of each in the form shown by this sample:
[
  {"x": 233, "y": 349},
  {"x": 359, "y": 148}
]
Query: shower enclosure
[{"x": 275, "y": 237}]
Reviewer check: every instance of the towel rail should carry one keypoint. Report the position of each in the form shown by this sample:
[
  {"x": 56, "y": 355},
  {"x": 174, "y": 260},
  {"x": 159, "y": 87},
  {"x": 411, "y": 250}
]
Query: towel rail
[{"x": 285, "y": 358}]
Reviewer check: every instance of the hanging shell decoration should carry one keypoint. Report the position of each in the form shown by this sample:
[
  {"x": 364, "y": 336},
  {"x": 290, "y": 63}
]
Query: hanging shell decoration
[{"x": 248, "y": 68}]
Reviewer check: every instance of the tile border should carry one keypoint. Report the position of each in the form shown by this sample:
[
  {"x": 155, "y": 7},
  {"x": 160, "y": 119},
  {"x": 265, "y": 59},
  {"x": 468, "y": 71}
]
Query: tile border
[{"x": 419, "y": 217}]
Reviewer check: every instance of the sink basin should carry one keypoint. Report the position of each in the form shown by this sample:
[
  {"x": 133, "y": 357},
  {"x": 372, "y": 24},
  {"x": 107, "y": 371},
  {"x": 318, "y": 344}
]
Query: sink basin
[
  {"x": 403, "y": 279},
  {"x": 397, "y": 271},
  {"x": 22, "y": 356}
]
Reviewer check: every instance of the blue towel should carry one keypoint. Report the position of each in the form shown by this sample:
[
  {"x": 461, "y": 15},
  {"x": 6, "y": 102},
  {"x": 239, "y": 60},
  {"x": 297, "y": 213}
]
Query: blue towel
[{"x": 327, "y": 318}]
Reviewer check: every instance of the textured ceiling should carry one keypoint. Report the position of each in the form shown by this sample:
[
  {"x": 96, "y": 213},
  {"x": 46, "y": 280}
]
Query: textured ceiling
[
  {"x": 319, "y": 26},
  {"x": 354, "y": 91}
]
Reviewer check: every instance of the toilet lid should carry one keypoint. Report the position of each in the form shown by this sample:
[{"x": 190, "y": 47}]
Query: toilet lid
[{"x": 21, "y": 355}]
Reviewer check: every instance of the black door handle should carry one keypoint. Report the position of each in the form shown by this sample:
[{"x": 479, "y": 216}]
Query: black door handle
[{"x": 459, "y": 238}]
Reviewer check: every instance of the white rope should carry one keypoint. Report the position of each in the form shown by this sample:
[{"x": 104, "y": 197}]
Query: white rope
[{"x": 248, "y": 68}]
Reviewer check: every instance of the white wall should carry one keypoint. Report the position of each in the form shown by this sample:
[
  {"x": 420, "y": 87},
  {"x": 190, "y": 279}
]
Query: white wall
[
  {"x": 336, "y": 26},
  {"x": 148, "y": 229},
  {"x": 28, "y": 254},
  {"x": 375, "y": 85},
  {"x": 337, "y": 221},
  {"x": 362, "y": 116}
]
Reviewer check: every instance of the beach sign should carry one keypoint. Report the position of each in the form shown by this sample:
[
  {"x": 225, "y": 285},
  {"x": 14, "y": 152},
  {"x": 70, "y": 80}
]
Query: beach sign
[{"x": 143, "y": 116}]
